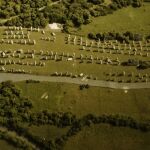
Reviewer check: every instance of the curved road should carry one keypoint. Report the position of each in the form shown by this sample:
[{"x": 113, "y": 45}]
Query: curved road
[{"x": 99, "y": 83}]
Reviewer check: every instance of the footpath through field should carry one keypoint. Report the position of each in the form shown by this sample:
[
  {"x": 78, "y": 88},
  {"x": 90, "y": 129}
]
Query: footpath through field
[{"x": 99, "y": 83}]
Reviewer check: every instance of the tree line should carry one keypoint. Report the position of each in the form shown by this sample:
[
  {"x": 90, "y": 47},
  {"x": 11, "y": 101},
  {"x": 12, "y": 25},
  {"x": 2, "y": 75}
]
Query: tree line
[
  {"x": 138, "y": 63},
  {"x": 16, "y": 114},
  {"x": 36, "y": 13},
  {"x": 76, "y": 125},
  {"x": 121, "y": 37}
]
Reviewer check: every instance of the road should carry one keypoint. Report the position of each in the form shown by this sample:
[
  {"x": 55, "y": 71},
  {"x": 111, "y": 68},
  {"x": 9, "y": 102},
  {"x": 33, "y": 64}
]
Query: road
[{"x": 98, "y": 83}]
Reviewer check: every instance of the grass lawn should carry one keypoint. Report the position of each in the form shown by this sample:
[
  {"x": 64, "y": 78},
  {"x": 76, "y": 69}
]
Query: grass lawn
[
  {"x": 67, "y": 97},
  {"x": 127, "y": 19},
  {"x": 6, "y": 146},
  {"x": 105, "y": 137},
  {"x": 48, "y": 132}
]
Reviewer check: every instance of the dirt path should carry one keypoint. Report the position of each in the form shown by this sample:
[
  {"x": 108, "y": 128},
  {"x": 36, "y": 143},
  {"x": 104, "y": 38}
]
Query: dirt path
[{"x": 99, "y": 83}]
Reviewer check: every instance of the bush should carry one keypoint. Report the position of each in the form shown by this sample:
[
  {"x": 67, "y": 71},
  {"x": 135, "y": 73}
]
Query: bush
[
  {"x": 32, "y": 81},
  {"x": 121, "y": 37}
]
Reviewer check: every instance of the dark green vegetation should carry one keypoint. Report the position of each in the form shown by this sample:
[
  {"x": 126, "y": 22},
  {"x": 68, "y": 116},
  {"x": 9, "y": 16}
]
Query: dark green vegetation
[
  {"x": 69, "y": 12},
  {"x": 21, "y": 130},
  {"x": 13, "y": 107},
  {"x": 124, "y": 37},
  {"x": 25, "y": 13}
]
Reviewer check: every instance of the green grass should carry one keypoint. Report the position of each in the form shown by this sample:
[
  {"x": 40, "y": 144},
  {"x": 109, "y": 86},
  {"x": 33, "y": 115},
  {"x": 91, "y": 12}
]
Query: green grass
[
  {"x": 6, "y": 146},
  {"x": 95, "y": 100},
  {"x": 105, "y": 137},
  {"x": 70, "y": 66},
  {"x": 48, "y": 132},
  {"x": 126, "y": 19}
]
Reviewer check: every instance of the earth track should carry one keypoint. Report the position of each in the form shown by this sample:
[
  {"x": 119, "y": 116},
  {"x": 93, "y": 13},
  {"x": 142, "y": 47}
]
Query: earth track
[{"x": 98, "y": 83}]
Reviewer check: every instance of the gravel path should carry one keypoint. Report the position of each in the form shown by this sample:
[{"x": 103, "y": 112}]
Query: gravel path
[{"x": 99, "y": 83}]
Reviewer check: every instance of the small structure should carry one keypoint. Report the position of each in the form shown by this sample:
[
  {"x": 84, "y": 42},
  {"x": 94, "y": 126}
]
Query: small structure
[
  {"x": 55, "y": 26},
  {"x": 70, "y": 59}
]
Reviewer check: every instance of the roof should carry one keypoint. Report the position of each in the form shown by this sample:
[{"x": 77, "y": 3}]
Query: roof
[{"x": 55, "y": 26}]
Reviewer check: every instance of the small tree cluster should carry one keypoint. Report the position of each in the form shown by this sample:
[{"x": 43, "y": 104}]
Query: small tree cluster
[{"x": 121, "y": 37}]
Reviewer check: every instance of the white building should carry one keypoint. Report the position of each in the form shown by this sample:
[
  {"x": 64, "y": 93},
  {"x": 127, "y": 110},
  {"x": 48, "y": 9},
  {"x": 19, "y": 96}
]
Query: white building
[{"x": 55, "y": 26}]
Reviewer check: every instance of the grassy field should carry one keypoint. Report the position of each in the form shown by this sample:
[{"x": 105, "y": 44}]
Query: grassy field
[
  {"x": 68, "y": 97},
  {"x": 126, "y": 19},
  {"x": 6, "y": 146},
  {"x": 74, "y": 67},
  {"x": 47, "y": 131},
  {"x": 105, "y": 137}
]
